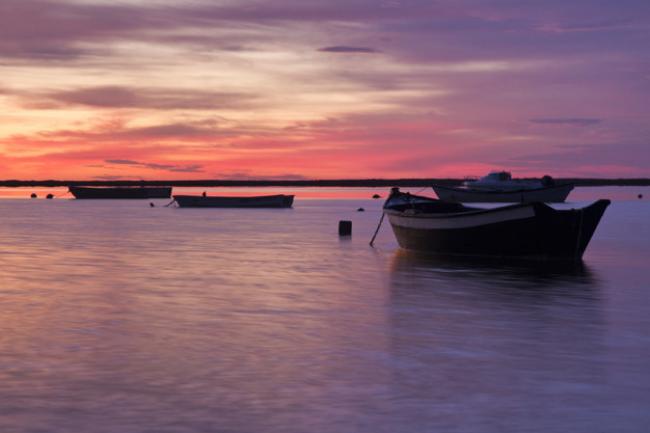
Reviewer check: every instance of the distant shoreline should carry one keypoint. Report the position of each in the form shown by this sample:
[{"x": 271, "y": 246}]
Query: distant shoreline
[{"x": 360, "y": 183}]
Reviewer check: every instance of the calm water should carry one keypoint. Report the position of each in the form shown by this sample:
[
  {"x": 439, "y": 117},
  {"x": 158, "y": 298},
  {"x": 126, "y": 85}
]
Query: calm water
[{"x": 118, "y": 317}]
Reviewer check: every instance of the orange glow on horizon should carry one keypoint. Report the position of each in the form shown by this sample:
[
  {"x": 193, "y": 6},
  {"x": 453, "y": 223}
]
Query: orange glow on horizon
[{"x": 299, "y": 93}]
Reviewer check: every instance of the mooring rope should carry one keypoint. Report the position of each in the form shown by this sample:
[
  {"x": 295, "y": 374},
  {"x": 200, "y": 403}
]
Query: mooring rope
[{"x": 381, "y": 220}]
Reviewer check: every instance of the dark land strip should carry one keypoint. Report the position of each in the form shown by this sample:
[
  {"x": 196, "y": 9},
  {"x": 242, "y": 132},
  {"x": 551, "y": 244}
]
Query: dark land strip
[{"x": 367, "y": 183}]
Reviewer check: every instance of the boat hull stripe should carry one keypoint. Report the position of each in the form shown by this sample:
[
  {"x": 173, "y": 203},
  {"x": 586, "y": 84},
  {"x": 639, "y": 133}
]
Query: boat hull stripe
[{"x": 428, "y": 222}]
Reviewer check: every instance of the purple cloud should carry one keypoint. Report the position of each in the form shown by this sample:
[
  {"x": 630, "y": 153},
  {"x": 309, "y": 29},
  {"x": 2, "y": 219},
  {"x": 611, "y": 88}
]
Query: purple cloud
[
  {"x": 108, "y": 177},
  {"x": 346, "y": 49},
  {"x": 568, "y": 158},
  {"x": 131, "y": 97},
  {"x": 579, "y": 121},
  {"x": 257, "y": 176},
  {"x": 41, "y": 29},
  {"x": 416, "y": 30},
  {"x": 122, "y": 161}
]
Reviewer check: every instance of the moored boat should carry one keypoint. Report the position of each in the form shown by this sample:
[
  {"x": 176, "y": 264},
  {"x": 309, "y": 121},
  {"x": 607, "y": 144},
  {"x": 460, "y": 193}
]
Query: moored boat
[
  {"x": 144, "y": 192},
  {"x": 525, "y": 230},
  {"x": 552, "y": 194},
  {"x": 500, "y": 187},
  {"x": 263, "y": 201}
]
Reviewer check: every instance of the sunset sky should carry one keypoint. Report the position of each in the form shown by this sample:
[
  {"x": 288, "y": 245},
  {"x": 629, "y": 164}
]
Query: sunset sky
[{"x": 238, "y": 89}]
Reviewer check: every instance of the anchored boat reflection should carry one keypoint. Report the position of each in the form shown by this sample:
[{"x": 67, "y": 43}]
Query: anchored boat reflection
[
  {"x": 481, "y": 338},
  {"x": 492, "y": 272}
]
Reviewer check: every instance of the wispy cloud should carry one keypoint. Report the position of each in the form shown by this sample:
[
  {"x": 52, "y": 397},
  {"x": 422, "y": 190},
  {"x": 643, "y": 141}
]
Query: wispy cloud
[
  {"x": 174, "y": 168},
  {"x": 593, "y": 26},
  {"x": 205, "y": 130},
  {"x": 626, "y": 158},
  {"x": 579, "y": 121},
  {"x": 259, "y": 176},
  {"x": 139, "y": 97},
  {"x": 122, "y": 161},
  {"x": 109, "y": 177},
  {"x": 347, "y": 49}
]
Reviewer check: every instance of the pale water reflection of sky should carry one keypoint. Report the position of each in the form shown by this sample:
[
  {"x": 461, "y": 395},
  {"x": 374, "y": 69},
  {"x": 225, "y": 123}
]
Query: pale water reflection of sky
[{"x": 120, "y": 317}]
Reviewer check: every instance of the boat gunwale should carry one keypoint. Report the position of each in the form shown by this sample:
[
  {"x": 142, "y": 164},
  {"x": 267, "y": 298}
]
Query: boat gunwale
[
  {"x": 429, "y": 215},
  {"x": 477, "y": 211},
  {"x": 234, "y": 197},
  {"x": 471, "y": 211}
]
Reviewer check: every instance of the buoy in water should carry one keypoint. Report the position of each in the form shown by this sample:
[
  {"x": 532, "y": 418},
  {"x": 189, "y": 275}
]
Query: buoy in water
[
  {"x": 376, "y": 196},
  {"x": 361, "y": 209},
  {"x": 49, "y": 196},
  {"x": 640, "y": 196},
  {"x": 33, "y": 195},
  {"x": 345, "y": 228},
  {"x": 151, "y": 204}
]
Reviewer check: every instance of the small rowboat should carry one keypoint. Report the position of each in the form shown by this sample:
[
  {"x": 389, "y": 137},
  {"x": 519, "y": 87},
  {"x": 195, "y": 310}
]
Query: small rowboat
[
  {"x": 80, "y": 192},
  {"x": 525, "y": 230},
  {"x": 262, "y": 201}
]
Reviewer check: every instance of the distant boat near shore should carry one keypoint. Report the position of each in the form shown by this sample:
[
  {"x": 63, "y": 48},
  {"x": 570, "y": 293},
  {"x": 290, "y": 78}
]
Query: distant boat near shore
[
  {"x": 262, "y": 201},
  {"x": 524, "y": 230},
  {"x": 80, "y": 192},
  {"x": 500, "y": 187}
]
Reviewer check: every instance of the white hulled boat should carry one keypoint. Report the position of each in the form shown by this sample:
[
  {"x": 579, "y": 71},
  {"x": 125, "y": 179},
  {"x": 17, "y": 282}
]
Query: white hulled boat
[{"x": 499, "y": 186}]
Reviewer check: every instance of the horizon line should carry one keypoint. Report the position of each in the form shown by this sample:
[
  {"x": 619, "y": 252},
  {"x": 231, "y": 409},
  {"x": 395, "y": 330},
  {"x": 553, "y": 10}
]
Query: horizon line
[{"x": 366, "y": 182}]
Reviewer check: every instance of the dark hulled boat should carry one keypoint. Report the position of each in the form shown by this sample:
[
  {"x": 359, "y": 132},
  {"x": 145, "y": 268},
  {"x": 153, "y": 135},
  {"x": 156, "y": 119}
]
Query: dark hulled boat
[
  {"x": 262, "y": 201},
  {"x": 526, "y": 230},
  {"x": 81, "y": 192}
]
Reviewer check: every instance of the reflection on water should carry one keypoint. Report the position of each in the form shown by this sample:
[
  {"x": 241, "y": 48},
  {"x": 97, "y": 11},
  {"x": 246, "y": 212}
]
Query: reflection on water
[
  {"x": 493, "y": 344},
  {"x": 558, "y": 276},
  {"x": 117, "y": 317}
]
